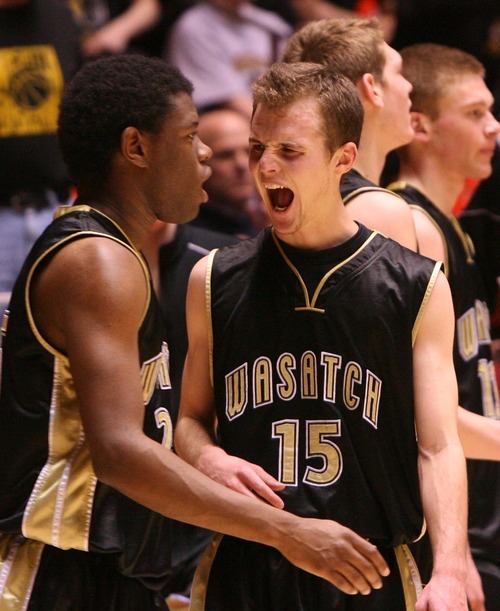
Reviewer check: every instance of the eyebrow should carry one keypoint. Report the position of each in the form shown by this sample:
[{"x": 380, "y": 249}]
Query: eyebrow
[
  {"x": 480, "y": 102},
  {"x": 296, "y": 145}
]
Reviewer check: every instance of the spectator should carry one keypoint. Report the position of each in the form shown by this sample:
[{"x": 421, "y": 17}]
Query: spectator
[
  {"x": 382, "y": 10},
  {"x": 233, "y": 206},
  {"x": 39, "y": 52},
  {"x": 222, "y": 46},
  {"x": 115, "y": 26}
]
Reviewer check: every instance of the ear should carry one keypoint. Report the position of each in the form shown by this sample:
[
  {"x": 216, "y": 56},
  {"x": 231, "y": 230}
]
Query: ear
[
  {"x": 132, "y": 147},
  {"x": 422, "y": 126},
  {"x": 370, "y": 90},
  {"x": 344, "y": 157}
]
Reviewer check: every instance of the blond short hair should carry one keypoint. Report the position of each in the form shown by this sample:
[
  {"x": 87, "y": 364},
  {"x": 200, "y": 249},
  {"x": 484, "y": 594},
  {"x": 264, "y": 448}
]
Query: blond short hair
[
  {"x": 340, "y": 106},
  {"x": 351, "y": 47},
  {"x": 431, "y": 69}
]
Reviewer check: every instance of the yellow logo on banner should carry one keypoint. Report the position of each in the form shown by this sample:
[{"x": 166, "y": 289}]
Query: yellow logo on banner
[{"x": 31, "y": 83}]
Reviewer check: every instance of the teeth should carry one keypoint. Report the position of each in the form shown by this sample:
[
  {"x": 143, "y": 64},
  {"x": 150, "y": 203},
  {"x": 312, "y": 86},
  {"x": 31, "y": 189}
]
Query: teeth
[{"x": 274, "y": 187}]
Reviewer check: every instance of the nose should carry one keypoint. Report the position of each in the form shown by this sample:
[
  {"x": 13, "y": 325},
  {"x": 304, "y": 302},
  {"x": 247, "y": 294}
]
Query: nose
[
  {"x": 204, "y": 151},
  {"x": 492, "y": 126},
  {"x": 268, "y": 164}
]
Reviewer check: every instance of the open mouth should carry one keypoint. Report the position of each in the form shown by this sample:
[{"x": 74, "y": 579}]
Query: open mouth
[{"x": 280, "y": 197}]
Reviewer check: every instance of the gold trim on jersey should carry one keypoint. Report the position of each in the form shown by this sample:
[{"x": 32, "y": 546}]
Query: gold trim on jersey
[
  {"x": 208, "y": 302},
  {"x": 64, "y": 490},
  {"x": 443, "y": 239},
  {"x": 430, "y": 286},
  {"x": 19, "y": 562},
  {"x": 310, "y": 304},
  {"x": 408, "y": 571},
  {"x": 62, "y": 211},
  {"x": 410, "y": 576},
  {"x": 200, "y": 581},
  {"x": 465, "y": 238},
  {"x": 356, "y": 192}
]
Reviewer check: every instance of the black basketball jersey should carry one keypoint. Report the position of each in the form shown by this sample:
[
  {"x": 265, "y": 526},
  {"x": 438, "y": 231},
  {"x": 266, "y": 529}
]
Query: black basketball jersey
[
  {"x": 353, "y": 183},
  {"x": 312, "y": 371},
  {"x": 475, "y": 370},
  {"x": 48, "y": 488}
]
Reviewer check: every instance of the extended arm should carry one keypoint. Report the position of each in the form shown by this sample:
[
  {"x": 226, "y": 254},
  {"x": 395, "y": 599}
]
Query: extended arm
[
  {"x": 115, "y": 36},
  {"x": 195, "y": 437},
  {"x": 308, "y": 10},
  {"x": 94, "y": 319},
  {"x": 441, "y": 459}
]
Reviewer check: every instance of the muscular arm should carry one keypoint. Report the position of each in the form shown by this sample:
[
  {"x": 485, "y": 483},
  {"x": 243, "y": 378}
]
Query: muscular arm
[
  {"x": 387, "y": 213},
  {"x": 88, "y": 302},
  {"x": 115, "y": 36},
  {"x": 441, "y": 459},
  {"x": 307, "y": 10},
  {"x": 195, "y": 432}
]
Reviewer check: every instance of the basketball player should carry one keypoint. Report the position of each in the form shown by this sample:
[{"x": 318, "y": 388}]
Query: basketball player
[
  {"x": 86, "y": 471},
  {"x": 455, "y": 134},
  {"x": 356, "y": 49},
  {"x": 316, "y": 347}
]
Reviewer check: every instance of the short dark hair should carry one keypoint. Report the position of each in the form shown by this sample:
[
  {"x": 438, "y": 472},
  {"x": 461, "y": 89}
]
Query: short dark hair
[
  {"x": 105, "y": 97},
  {"x": 338, "y": 98},
  {"x": 431, "y": 68}
]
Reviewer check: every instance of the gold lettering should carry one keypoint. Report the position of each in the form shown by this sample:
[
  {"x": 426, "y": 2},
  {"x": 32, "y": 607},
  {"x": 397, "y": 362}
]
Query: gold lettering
[
  {"x": 155, "y": 373},
  {"x": 352, "y": 376},
  {"x": 236, "y": 392},
  {"x": 262, "y": 381},
  {"x": 288, "y": 386},
  {"x": 483, "y": 322},
  {"x": 309, "y": 376},
  {"x": 332, "y": 363},
  {"x": 489, "y": 388},
  {"x": 372, "y": 398},
  {"x": 467, "y": 335}
]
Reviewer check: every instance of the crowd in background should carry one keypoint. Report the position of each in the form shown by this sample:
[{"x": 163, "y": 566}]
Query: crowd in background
[{"x": 221, "y": 46}]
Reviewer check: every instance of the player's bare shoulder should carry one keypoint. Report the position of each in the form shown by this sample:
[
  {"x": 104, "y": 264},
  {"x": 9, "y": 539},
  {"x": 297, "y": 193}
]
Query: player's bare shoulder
[{"x": 386, "y": 212}]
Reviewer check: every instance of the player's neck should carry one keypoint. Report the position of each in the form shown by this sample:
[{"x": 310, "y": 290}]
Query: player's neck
[
  {"x": 370, "y": 160},
  {"x": 440, "y": 187},
  {"x": 318, "y": 235},
  {"x": 134, "y": 219}
]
